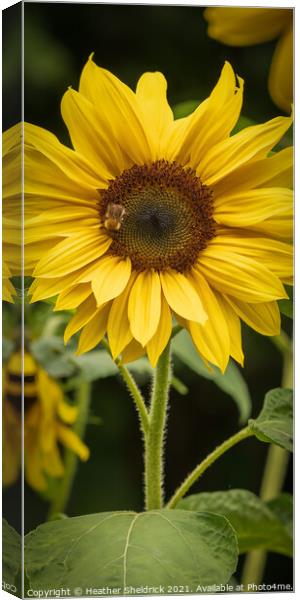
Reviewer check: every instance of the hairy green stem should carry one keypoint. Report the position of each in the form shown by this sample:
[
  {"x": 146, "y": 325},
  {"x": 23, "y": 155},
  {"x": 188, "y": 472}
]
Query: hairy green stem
[
  {"x": 274, "y": 471},
  {"x": 134, "y": 392},
  {"x": 206, "y": 463},
  {"x": 137, "y": 397},
  {"x": 154, "y": 460},
  {"x": 59, "y": 503}
]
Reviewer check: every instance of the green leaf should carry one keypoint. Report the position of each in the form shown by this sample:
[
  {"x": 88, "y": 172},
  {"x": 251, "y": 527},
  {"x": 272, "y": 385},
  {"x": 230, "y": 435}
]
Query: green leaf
[
  {"x": 286, "y": 307},
  {"x": 51, "y": 353},
  {"x": 282, "y": 507},
  {"x": 256, "y": 523},
  {"x": 123, "y": 549},
  {"x": 183, "y": 109},
  {"x": 274, "y": 423},
  {"x": 7, "y": 348},
  {"x": 11, "y": 555},
  {"x": 231, "y": 382},
  {"x": 95, "y": 365}
]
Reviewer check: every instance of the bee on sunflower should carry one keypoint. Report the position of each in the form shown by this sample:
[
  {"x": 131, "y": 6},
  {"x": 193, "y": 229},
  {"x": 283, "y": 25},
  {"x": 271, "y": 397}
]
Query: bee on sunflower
[
  {"x": 47, "y": 420},
  {"x": 202, "y": 219}
]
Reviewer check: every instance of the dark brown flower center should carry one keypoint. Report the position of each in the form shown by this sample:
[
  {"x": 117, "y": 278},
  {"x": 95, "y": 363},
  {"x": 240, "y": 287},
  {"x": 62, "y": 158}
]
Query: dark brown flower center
[{"x": 160, "y": 215}]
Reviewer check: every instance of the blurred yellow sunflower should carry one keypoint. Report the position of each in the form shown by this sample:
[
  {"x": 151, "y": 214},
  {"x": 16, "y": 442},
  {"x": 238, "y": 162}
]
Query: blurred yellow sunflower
[
  {"x": 47, "y": 417},
  {"x": 249, "y": 26},
  {"x": 11, "y": 212},
  {"x": 150, "y": 218}
]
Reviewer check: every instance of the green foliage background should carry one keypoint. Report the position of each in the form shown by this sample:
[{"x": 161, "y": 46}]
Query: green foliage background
[{"x": 129, "y": 40}]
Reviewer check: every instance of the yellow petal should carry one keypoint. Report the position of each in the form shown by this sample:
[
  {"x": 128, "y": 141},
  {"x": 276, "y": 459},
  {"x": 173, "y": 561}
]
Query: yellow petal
[
  {"x": 118, "y": 327},
  {"x": 46, "y": 288},
  {"x": 53, "y": 464},
  {"x": 33, "y": 467},
  {"x": 111, "y": 278},
  {"x": 67, "y": 413},
  {"x": 84, "y": 314},
  {"x": 151, "y": 94},
  {"x": 263, "y": 317},
  {"x": 72, "y": 253},
  {"x": 70, "y": 163},
  {"x": 212, "y": 338},
  {"x": 281, "y": 72},
  {"x": 60, "y": 222},
  {"x": 279, "y": 226},
  {"x": 245, "y": 209},
  {"x": 213, "y": 120},
  {"x": 69, "y": 439},
  {"x": 132, "y": 352},
  {"x": 222, "y": 114},
  {"x": 89, "y": 136},
  {"x": 273, "y": 171},
  {"x": 8, "y": 291},
  {"x": 246, "y": 26},
  {"x": 12, "y": 177},
  {"x": 238, "y": 275},
  {"x": 273, "y": 254},
  {"x": 144, "y": 306},
  {"x": 234, "y": 329},
  {"x": 94, "y": 331},
  {"x": 158, "y": 342},
  {"x": 73, "y": 296},
  {"x": 252, "y": 143},
  {"x": 32, "y": 254},
  {"x": 119, "y": 109},
  {"x": 43, "y": 178},
  {"x": 182, "y": 296}
]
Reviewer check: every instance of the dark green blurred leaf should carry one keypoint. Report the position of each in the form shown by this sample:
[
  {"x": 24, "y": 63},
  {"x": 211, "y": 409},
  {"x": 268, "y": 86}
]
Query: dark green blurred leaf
[
  {"x": 95, "y": 365},
  {"x": 183, "y": 109},
  {"x": 242, "y": 123},
  {"x": 274, "y": 424},
  {"x": 257, "y": 524},
  {"x": 53, "y": 356},
  {"x": 286, "y": 306},
  {"x": 130, "y": 549},
  {"x": 232, "y": 382},
  {"x": 141, "y": 367},
  {"x": 11, "y": 553},
  {"x": 282, "y": 507},
  {"x": 7, "y": 348}
]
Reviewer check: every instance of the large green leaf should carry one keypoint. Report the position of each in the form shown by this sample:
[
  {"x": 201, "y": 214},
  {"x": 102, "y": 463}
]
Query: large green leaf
[
  {"x": 231, "y": 382},
  {"x": 122, "y": 549},
  {"x": 282, "y": 507},
  {"x": 11, "y": 555},
  {"x": 51, "y": 353},
  {"x": 7, "y": 348},
  {"x": 257, "y": 525},
  {"x": 274, "y": 423},
  {"x": 95, "y": 365}
]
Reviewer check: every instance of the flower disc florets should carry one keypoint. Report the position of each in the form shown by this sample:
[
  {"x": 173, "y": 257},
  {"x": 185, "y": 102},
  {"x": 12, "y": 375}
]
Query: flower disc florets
[{"x": 165, "y": 216}]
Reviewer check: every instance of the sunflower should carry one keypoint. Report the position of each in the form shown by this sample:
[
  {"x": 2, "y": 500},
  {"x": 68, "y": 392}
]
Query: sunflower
[
  {"x": 150, "y": 219},
  {"x": 11, "y": 210},
  {"x": 47, "y": 417},
  {"x": 249, "y": 26}
]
